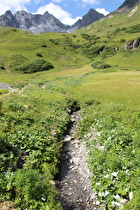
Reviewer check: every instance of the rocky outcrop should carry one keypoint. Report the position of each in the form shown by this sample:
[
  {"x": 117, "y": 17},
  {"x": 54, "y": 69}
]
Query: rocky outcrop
[
  {"x": 37, "y": 23},
  {"x": 132, "y": 44}
]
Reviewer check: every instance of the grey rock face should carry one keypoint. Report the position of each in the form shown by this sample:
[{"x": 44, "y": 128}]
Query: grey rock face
[
  {"x": 87, "y": 19},
  {"x": 37, "y": 23},
  {"x": 33, "y": 22},
  {"x": 127, "y": 5},
  {"x": 8, "y": 19}
]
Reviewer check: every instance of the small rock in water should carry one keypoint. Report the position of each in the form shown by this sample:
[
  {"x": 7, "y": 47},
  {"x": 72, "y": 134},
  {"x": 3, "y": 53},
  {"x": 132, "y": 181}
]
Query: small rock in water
[
  {"x": 71, "y": 167},
  {"x": 67, "y": 138}
]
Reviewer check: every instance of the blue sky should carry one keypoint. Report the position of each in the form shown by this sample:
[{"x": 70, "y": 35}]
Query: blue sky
[{"x": 67, "y": 11}]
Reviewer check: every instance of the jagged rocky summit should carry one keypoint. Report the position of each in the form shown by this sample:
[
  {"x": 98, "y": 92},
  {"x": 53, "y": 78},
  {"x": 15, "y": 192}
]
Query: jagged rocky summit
[{"x": 37, "y": 23}]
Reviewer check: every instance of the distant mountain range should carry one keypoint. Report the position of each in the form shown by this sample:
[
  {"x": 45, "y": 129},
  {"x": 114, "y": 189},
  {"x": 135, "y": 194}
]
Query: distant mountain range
[{"x": 37, "y": 23}]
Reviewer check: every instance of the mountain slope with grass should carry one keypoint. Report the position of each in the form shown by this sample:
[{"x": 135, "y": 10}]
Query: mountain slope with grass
[
  {"x": 95, "y": 70},
  {"x": 116, "y": 31}
]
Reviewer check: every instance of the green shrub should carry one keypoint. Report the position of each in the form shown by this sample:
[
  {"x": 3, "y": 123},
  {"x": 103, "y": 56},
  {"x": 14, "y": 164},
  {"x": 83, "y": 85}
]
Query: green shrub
[
  {"x": 108, "y": 51},
  {"x": 92, "y": 51},
  {"x": 43, "y": 45},
  {"x": 2, "y": 67},
  {"x": 39, "y": 54},
  {"x": 36, "y": 66},
  {"x": 133, "y": 29},
  {"x": 100, "y": 65},
  {"x": 122, "y": 40}
]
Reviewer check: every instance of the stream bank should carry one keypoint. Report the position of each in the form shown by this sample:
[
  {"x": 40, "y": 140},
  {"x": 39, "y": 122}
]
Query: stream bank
[{"x": 73, "y": 180}]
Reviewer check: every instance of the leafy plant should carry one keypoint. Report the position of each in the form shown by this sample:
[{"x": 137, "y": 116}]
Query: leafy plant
[{"x": 36, "y": 66}]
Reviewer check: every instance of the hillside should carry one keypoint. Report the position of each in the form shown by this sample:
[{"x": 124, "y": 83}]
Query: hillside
[
  {"x": 20, "y": 47},
  {"x": 66, "y": 51},
  {"x": 117, "y": 30},
  {"x": 95, "y": 71}
]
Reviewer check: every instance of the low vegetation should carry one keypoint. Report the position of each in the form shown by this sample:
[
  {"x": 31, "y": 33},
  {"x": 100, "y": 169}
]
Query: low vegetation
[{"x": 36, "y": 66}]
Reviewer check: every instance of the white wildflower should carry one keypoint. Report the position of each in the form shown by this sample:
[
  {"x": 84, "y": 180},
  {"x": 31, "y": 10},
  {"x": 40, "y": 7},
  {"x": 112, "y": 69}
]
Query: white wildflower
[
  {"x": 43, "y": 199},
  {"x": 114, "y": 204},
  {"x": 130, "y": 195},
  {"x": 115, "y": 174},
  {"x": 106, "y": 193},
  {"x": 117, "y": 197},
  {"x": 127, "y": 172},
  {"x": 101, "y": 148},
  {"x": 97, "y": 183},
  {"x": 98, "y": 134},
  {"x": 123, "y": 201},
  {"x": 101, "y": 194},
  {"x": 106, "y": 176}
]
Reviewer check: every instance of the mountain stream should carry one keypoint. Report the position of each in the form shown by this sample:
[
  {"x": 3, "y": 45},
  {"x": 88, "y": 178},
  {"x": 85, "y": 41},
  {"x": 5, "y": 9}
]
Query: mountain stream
[{"x": 73, "y": 181}]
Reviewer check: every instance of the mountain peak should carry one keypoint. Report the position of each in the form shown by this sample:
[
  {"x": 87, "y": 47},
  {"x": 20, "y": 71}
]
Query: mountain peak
[
  {"x": 87, "y": 19},
  {"x": 127, "y": 5},
  {"x": 8, "y": 12}
]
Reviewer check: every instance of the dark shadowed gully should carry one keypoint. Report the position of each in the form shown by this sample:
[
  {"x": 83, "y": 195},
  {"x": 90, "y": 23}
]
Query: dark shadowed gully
[{"x": 73, "y": 180}]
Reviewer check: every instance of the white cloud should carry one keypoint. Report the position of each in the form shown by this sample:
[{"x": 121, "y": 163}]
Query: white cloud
[
  {"x": 91, "y": 1},
  {"x": 13, "y": 5},
  {"x": 53, "y": 9},
  {"x": 70, "y": 21},
  {"x": 58, "y": 12},
  {"x": 102, "y": 11}
]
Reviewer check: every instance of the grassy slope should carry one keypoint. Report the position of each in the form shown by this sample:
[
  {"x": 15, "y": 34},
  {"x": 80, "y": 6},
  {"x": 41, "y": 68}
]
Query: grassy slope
[
  {"x": 110, "y": 23},
  {"x": 19, "y": 47},
  {"x": 107, "y": 30}
]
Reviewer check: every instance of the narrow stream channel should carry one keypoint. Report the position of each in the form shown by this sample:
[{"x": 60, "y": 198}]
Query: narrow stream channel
[{"x": 73, "y": 180}]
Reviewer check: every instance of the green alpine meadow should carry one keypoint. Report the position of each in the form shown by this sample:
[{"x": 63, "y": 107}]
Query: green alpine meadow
[{"x": 95, "y": 69}]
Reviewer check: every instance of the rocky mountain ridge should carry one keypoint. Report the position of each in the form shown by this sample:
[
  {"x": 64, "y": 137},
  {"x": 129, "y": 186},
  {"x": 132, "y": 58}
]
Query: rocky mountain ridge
[
  {"x": 87, "y": 19},
  {"x": 37, "y": 23},
  {"x": 127, "y": 5}
]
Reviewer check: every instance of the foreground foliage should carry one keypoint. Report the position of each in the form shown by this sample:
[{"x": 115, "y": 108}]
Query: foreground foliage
[
  {"x": 34, "y": 120},
  {"x": 113, "y": 140},
  {"x": 30, "y": 146}
]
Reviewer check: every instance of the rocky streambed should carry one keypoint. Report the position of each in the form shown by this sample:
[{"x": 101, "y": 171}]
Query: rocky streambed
[{"x": 73, "y": 181}]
